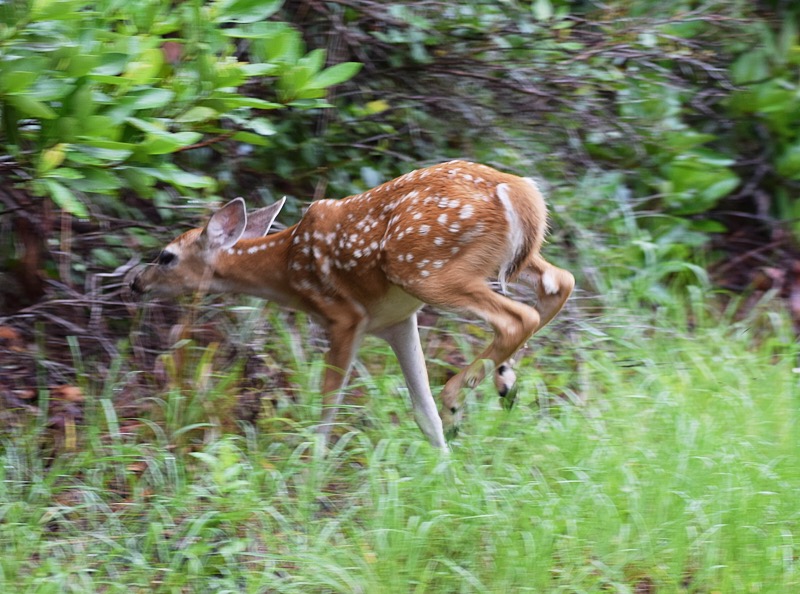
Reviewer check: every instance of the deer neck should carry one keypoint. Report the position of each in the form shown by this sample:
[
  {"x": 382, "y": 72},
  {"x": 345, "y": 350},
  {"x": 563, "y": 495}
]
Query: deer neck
[{"x": 257, "y": 267}]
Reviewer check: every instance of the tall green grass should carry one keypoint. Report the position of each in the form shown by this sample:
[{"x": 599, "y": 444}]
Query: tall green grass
[{"x": 647, "y": 454}]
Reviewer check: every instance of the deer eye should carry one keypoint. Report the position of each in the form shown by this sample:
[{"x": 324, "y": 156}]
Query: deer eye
[{"x": 165, "y": 258}]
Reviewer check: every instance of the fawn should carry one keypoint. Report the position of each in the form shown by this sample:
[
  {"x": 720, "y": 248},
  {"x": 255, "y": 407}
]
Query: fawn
[{"x": 367, "y": 263}]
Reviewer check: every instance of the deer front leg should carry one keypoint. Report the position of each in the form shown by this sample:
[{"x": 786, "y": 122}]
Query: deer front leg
[
  {"x": 345, "y": 334},
  {"x": 403, "y": 337}
]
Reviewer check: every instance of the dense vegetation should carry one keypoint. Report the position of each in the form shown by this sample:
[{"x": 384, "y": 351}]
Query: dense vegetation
[{"x": 655, "y": 446}]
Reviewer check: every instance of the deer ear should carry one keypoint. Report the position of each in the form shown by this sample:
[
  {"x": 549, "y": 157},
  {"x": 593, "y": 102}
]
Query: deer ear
[
  {"x": 226, "y": 226},
  {"x": 260, "y": 221}
]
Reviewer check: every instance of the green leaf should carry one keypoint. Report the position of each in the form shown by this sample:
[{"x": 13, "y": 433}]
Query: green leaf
[
  {"x": 542, "y": 10},
  {"x": 197, "y": 114},
  {"x": 100, "y": 151},
  {"x": 228, "y": 74},
  {"x": 335, "y": 75},
  {"x": 16, "y": 81},
  {"x": 314, "y": 60},
  {"x": 64, "y": 173},
  {"x": 151, "y": 98},
  {"x": 698, "y": 180},
  {"x": 231, "y": 101},
  {"x": 51, "y": 158},
  {"x": 51, "y": 10},
  {"x": 788, "y": 164},
  {"x": 138, "y": 179},
  {"x": 82, "y": 64},
  {"x": 750, "y": 67},
  {"x": 250, "y": 138},
  {"x": 146, "y": 126},
  {"x": 260, "y": 30},
  {"x": 111, "y": 64},
  {"x": 171, "y": 174},
  {"x": 31, "y": 107},
  {"x": 65, "y": 199},
  {"x": 100, "y": 181},
  {"x": 165, "y": 143},
  {"x": 251, "y": 70},
  {"x": 262, "y": 126},
  {"x": 146, "y": 67},
  {"x": 707, "y": 226},
  {"x": 245, "y": 11},
  {"x": 283, "y": 47}
]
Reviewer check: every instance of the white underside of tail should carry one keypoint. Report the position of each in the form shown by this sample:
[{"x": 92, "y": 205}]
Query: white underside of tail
[{"x": 516, "y": 234}]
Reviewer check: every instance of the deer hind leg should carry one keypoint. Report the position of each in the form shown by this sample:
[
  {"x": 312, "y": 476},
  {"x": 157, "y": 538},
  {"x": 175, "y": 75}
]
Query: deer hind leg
[
  {"x": 553, "y": 287},
  {"x": 513, "y": 323}
]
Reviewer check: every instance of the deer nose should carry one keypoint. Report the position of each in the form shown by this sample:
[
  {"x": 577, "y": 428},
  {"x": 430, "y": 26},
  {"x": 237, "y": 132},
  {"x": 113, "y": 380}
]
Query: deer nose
[{"x": 135, "y": 282}]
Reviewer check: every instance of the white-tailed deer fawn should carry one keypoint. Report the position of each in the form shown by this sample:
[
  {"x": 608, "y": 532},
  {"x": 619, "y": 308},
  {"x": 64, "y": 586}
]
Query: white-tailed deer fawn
[{"x": 367, "y": 263}]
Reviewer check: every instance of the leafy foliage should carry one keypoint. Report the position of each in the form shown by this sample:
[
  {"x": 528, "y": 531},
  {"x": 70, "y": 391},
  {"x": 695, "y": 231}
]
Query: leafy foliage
[
  {"x": 101, "y": 97},
  {"x": 690, "y": 110}
]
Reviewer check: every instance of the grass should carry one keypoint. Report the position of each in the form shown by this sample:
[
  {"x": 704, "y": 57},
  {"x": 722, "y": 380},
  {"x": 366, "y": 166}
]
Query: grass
[{"x": 643, "y": 456}]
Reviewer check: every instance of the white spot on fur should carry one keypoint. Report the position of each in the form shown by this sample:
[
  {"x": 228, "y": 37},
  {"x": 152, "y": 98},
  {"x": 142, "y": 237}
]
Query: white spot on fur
[
  {"x": 423, "y": 229},
  {"x": 439, "y": 241},
  {"x": 466, "y": 211},
  {"x": 442, "y": 219}
]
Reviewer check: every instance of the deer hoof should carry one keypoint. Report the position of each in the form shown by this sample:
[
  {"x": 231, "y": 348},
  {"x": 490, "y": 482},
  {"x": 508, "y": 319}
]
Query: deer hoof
[
  {"x": 451, "y": 421},
  {"x": 451, "y": 432},
  {"x": 504, "y": 378},
  {"x": 509, "y": 399}
]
